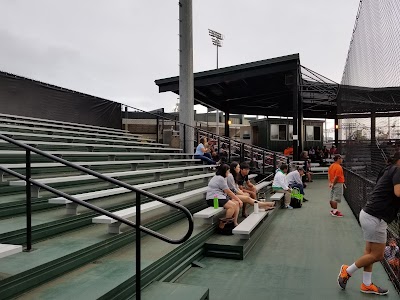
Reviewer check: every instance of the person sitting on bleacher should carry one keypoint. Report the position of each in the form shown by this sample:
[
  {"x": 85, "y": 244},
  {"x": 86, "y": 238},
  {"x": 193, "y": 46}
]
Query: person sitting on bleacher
[
  {"x": 281, "y": 185},
  {"x": 294, "y": 180},
  {"x": 245, "y": 197},
  {"x": 203, "y": 153},
  {"x": 218, "y": 187},
  {"x": 307, "y": 167},
  {"x": 243, "y": 181}
]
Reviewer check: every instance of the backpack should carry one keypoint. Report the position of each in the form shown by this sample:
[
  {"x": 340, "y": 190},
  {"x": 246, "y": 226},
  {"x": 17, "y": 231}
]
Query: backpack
[{"x": 296, "y": 199}]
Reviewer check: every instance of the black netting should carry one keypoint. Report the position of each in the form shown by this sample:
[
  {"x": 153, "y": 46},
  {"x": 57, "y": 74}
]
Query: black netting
[{"x": 373, "y": 57}]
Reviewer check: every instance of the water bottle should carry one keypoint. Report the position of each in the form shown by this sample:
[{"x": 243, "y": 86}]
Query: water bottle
[
  {"x": 256, "y": 210},
  {"x": 216, "y": 201}
]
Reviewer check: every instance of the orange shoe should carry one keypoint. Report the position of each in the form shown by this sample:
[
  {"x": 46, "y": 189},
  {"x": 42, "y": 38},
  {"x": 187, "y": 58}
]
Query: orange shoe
[
  {"x": 373, "y": 289},
  {"x": 343, "y": 276}
]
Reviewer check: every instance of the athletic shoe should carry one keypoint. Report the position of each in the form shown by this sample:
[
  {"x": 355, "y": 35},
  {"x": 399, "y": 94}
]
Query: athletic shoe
[
  {"x": 373, "y": 289},
  {"x": 337, "y": 214},
  {"x": 289, "y": 207},
  {"x": 343, "y": 276}
]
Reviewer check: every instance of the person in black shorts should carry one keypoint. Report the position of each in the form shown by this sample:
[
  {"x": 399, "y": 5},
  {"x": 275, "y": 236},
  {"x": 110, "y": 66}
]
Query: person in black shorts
[{"x": 381, "y": 209}]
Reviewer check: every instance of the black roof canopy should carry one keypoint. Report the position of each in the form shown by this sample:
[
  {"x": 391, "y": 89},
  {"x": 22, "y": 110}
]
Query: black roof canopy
[{"x": 257, "y": 88}]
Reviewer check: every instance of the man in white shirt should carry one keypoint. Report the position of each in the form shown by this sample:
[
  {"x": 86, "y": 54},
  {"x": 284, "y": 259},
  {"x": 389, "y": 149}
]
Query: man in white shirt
[
  {"x": 294, "y": 180},
  {"x": 280, "y": 184}
]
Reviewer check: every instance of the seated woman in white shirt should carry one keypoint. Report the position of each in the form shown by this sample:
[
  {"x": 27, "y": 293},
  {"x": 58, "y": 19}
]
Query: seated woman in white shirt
[
  {"x": 218, "y": 187},
  {"x": 203, "y": 153},
  {"x": 245, "y": 197}
]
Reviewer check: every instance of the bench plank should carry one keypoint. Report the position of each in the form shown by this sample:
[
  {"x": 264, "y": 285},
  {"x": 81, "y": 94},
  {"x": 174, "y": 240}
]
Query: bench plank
[
  {"x": 112, "y": 175},
  {"x": 248, "y": 224},
  {"x": 94, "y": 146},
  {"x": 277, "y": 196},
  {"x": 66, "y": 137},
  {"x": 116, "y": 191},
  {"x": 97, "y": 163},
  {"x": 8, "y": 249},
  {"x": 150, "y": 206}
]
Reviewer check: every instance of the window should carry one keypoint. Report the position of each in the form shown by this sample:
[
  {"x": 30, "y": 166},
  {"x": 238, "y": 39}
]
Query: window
[
  {"x": 313, "y": 133},
  {"x": 278, "y": 132},
  {"x": 290, "y": 132}
]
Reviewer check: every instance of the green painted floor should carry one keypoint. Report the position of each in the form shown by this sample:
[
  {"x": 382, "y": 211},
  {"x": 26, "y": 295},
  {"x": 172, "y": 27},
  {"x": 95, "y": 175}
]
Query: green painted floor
[{"x": 298, "y": 257}]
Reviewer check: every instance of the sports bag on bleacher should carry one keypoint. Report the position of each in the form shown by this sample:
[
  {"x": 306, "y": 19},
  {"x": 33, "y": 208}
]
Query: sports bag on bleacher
[{"x": 296, "y": 199}]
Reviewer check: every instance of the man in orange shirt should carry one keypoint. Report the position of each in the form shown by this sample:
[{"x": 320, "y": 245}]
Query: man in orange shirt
[{"x": 336, "y": 182}]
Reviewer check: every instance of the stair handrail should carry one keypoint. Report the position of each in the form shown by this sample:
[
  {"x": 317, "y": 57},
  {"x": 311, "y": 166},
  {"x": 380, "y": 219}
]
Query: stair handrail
[
  {"x": 138, "y": 191},
  {"x": 381, "y": 150}
]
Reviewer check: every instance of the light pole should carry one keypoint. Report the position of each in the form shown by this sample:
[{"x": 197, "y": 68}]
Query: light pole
[{"x": 216, "y": 39}]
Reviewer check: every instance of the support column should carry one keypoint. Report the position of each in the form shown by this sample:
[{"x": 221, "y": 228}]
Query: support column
[
  {"x": 186, "y": 83},
  {"x": 226, "y": 124},
  {"x": 337, "y": 132},
  {"x": 373, "y": 127},
  {"x": 297, "y": 117}
]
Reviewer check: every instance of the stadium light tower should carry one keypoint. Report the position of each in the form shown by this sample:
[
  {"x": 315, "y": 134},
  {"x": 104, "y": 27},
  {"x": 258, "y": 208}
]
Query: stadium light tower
[{"x": 216, "y": 39}]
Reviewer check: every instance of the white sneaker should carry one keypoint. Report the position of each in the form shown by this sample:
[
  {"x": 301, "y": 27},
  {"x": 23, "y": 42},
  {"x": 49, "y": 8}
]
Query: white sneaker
[{"x": 289, "y": 207}]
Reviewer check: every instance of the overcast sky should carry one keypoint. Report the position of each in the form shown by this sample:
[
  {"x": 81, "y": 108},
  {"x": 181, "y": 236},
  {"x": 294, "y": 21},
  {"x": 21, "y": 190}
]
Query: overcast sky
[{"x": 116, "y": 49}]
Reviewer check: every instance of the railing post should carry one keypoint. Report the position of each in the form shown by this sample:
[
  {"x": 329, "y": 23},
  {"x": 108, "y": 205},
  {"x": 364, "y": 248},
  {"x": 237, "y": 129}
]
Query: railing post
[
  {"x": 219, "y": 145},
  {"x": 158, "y": 130},
  {"x": 274, "y": 162},
  {"x": 229, "y": 150},
  {"x": 242, "y": 152},
  {"x": 263, "y": 162},
  {"x": 28, "y": 202},
  {"x": 184, "y": 138},
  {"x": 138, "y": 247},
  {"x": 197, "y": 136}
]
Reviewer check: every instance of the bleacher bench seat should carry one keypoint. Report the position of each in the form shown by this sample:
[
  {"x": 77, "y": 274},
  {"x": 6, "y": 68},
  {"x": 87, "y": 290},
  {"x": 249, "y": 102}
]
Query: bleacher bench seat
[
  {"x": 72, "y": 206},
  {"x": 114, "y": 225}
]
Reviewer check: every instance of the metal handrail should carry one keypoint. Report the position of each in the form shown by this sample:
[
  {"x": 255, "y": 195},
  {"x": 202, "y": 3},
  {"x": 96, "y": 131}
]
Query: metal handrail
[{"x": 139, "y": 192}]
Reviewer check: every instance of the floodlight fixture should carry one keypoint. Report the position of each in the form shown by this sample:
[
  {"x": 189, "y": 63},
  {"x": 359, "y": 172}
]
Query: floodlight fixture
[
  {"x": 215, "y": 34},
  {"x": 216, "y": 42}
]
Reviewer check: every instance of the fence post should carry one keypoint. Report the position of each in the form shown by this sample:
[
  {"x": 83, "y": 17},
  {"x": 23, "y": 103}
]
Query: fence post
[
  {"x": 229, "y": 150},
  {"x": 28, "y": 201},
  {"x": 158, "y": 130},
  {"x": 263, "y": 162},
  {"x": 184, "y": 138},
  {"x": 138, "y": 247},
  {"x": 242, "y": 152}
]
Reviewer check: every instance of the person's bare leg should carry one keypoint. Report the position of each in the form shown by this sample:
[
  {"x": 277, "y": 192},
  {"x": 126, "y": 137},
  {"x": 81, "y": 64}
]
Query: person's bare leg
[
  {"x": 375, "y": 254},
  {"x": 333, "y": 204},
  {"x": 235, "y": 215},
  {"x": 230, "y": 207}
]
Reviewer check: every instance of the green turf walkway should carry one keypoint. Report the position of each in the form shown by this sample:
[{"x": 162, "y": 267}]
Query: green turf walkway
[{"x": 298, "y": 257}]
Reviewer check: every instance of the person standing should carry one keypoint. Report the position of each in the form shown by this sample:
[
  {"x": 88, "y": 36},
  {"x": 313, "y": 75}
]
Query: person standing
[
  {"x": 336, "y": 183},
  {"x": 381, "y": 209}
]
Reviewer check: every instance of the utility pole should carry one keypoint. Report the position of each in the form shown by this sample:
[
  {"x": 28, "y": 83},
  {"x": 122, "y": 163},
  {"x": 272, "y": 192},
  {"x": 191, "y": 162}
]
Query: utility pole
[{"x": 186, "y": 83}]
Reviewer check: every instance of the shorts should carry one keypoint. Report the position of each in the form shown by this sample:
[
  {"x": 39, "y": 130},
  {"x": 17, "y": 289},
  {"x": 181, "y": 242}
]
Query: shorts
[
  {"x": 221, "y": 202},
  {"x": 374, "y": 229},
  {"x": 337, "y": 192}
]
